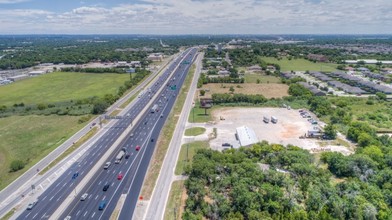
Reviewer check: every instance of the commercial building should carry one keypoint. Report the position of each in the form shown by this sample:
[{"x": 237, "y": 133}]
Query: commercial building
[
  {"x": 155, "y": 57},
  {"x": 246, "y": 136}
]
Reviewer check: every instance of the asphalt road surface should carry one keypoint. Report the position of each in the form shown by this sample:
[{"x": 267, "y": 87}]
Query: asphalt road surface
[{"x": 133, "y": 169}]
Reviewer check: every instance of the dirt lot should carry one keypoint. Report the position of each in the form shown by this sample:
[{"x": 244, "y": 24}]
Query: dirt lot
[
  {"x": 271, "y": 90},
  {"x": 287, "y": 131}
]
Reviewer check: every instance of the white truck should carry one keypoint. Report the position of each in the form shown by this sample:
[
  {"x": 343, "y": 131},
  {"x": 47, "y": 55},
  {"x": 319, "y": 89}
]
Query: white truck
[
  {"x": 119, "y": 156},
  {"x": 274, "y": 120},
  {"x": 154, "y": 108},
  {"x": 266, "y": 119}
]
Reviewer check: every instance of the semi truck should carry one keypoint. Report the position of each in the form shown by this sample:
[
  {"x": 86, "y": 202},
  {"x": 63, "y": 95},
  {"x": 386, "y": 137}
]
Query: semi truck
[
  {"x": 274, "y": 120},
  {"x": 154, "y": 108},
  {"x": 119, "y": 156}
]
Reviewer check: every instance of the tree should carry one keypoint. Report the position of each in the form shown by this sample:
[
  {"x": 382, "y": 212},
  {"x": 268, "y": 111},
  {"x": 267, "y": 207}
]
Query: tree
[
  {"x": 16, "y": 165},
  {"x": 330, "y": 131},
  {"x": 258, "y": 81},
  {"x": 202, "y": 92},
  {"x": 381, "y": 96},
  {"x": 232, "y": 89},
  {"x": 99, "y": 107}
]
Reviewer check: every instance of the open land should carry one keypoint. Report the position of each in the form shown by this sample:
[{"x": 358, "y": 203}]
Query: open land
[
  {"x": 270, "y": 90},
  {"x": 300, "y": 64},
  {"x": 30, "y": 138},
  {"x": 61, "y": 86}
]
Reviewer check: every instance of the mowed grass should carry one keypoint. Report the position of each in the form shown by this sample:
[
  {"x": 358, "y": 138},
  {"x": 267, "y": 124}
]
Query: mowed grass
[
  {"x": 268, "y": 90},
  {"x": 30, "y": 138},
  {"x": 175, "y": 205},
  {"x": 61, "y": 86},
  {"x": 194, "y": 131},
  {"x": 252, "y": 78},
  {"x": 186, "y": 154},
  {"x": 300, "y": 65}
]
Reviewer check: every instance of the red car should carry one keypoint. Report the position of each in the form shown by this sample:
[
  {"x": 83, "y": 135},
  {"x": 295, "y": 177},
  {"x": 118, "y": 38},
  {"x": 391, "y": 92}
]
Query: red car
[
  {"x": 137, "y": 148},
  {"x": 120, "y": 176}
]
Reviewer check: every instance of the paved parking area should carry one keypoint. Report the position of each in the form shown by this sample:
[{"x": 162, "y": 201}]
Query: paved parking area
[{"x": 290, "y": 126}]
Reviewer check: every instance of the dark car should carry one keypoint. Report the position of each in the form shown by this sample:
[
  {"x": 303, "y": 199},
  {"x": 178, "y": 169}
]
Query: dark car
[
  {"x": 106, "y": 187},
  {"x": 226, "y": 145},
  {"x": 127, "y": 156},
  {"x": 102, "y": 205}
]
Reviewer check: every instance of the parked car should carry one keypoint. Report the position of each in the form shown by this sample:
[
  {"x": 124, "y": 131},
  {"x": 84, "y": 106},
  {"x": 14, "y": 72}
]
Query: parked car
[
  {"x": 137, "y": 148},
  {"x": 120, "y": 176}
]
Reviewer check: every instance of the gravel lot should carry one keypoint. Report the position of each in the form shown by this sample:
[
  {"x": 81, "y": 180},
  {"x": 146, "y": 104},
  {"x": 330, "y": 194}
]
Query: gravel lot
[{"x": 287, "y": 131}]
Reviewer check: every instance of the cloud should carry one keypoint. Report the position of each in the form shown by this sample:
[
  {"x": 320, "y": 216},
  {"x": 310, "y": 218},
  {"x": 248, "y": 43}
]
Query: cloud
[
  {"x": 210, "y": 17},
  {"x": 12, "y": 1}
]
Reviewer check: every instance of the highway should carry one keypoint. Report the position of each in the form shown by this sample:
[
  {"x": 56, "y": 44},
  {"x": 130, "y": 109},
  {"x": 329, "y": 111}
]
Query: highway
[
  {"x": 145, "y": 132},
  {"x": 11, "y": 195}
]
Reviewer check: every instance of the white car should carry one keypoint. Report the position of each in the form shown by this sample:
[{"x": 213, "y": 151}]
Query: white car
[
  {"x": 67, "y": 218},
  {"x": 30, "y": 206},
  {"x": 83, "y": 197},
  {"x": 107, "y": 165}
]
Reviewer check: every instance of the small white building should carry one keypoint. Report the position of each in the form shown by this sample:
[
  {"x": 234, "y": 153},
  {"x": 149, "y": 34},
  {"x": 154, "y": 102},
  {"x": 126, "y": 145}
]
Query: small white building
[{"x": 246, "y": 136}]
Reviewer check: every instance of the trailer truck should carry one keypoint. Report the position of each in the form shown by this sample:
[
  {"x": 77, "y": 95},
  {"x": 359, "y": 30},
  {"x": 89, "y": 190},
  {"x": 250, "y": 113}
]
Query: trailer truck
[{"x": 119, "y": 156}]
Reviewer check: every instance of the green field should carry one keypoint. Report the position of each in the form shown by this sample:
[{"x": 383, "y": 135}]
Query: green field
[
  {"x": 174, "y": 204},
  {"x": 195, "y": 131},
  {"x": 300, "y": 65},
  {"x": 192, "y": 149},
  {"x": 61, "y": 86},
  {"x": 252, "y": 78},
  {"x": 30, "y": 138}
]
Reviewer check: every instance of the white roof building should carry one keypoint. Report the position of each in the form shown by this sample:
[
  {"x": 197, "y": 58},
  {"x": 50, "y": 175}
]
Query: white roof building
[{"x": 246, "y": 136}]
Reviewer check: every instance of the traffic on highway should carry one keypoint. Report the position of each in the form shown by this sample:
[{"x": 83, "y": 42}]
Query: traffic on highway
[{"x": 123, "y": 172}]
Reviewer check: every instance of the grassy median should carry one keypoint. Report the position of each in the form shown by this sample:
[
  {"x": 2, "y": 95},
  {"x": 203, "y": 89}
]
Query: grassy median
[{"x": 176, "y": 201}]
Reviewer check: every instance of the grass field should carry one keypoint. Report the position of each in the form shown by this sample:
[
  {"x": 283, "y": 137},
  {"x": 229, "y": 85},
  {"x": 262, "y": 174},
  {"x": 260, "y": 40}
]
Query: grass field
[
  {"x": 195, "y": 131},
  {"x": 300, "y": 65},
  {"x": 197, "y": 114},
  {"x": 268, "y": 90},
  {"x": 252, "y": 78},
  {"x": 60, "y": 86},
  {"x": 30, "y": 138},
  {"x": 175, "y": 204},
  {"x": 189, "y": 150}
]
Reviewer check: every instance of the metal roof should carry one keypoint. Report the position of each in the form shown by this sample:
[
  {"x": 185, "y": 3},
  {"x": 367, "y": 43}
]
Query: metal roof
[{"x": 246, "y": 136}]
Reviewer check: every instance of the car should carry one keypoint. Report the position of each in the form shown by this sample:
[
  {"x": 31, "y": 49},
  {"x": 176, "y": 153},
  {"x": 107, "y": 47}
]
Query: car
[
  {"x": 67, "y": 218},
  {"x": 106, "y": 187},
  {"x": 93, "y": 124},
  {"x": 102, "y": 205},
  {"x": 83, "y": 197},
  {"x": 107, "y": 165},
  {"x": 127, "y": 156},
  {"x": 152, "y": 139},
  {"x": 131, "y": 135},
  {"x": 137, "y": 148},
  {"x": 226, "y": 145},
  {"x": 161, "y": 115},
  {"x": 120, "y": 176},
  {"x": 31, "y": 205}
]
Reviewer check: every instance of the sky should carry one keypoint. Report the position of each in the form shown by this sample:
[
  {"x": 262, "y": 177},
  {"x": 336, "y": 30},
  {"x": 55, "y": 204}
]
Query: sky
[{"x": 195, "y": 17}]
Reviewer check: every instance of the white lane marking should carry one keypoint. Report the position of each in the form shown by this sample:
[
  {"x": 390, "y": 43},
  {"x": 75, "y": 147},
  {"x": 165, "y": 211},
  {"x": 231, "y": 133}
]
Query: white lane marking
[
  {"x": 85, "y": 214},
  {"x": 51, "y": 198},
  {"x": 93, "y": 215},
  {"x": 64, "y": 184},
  {"x": 104, "y": 197},
  {"x": 35, "y": 215},
  {"x": 99, "y": 182},
  {"x": 96, "y": 197},
  {"x": 28, "y": 214},
  {"x": 78, "y": 213},
  {"x": 44, "y": 198},
  {"x": 112, "y": 183}
]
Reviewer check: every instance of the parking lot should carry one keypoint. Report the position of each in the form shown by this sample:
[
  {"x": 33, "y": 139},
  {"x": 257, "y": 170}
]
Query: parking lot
[{"x": 290, "y": 126}]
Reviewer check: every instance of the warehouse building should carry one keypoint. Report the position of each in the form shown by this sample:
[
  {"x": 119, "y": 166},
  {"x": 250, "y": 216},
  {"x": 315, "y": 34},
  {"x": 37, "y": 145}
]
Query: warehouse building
[{"x": 246, "y": 136}]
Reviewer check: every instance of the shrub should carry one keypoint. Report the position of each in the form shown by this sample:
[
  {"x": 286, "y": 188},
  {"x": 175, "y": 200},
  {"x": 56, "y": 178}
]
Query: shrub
[{"x": 16, "y": 165}]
